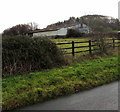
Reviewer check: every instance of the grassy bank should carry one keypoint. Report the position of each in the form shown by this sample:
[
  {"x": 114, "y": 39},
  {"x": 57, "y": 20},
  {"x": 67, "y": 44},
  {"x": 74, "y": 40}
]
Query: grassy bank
[{"x": 36, "y": 87}]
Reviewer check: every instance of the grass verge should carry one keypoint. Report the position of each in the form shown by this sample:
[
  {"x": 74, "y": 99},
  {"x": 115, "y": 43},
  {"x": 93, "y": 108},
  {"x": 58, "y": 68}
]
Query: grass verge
[{"x": 36, "y": 87}]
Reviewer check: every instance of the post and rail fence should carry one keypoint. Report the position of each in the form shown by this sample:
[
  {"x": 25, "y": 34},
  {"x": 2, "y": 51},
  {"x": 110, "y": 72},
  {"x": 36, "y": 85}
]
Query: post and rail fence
[{"x": 89, "y": 46}]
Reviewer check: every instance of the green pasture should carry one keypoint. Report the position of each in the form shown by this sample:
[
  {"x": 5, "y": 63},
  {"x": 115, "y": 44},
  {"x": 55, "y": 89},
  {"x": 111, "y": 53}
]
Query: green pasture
[
  {"x": 77, "y": 44},
  {"x": 70, "y": 45}
]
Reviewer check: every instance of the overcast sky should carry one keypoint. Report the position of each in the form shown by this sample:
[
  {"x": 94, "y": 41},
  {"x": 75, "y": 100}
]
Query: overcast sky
[{"x": 45, "y": 12}]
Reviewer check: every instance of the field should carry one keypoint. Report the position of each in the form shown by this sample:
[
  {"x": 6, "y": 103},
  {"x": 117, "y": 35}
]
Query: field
[
  {"x": 40, "y": 86},
  {"x": 79, "y": 44},
  {"x": 70, "y": 41}
]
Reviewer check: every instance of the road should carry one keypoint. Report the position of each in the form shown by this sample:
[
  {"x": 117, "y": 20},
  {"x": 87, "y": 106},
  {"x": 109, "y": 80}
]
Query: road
[{"x": 101, "y": 98}]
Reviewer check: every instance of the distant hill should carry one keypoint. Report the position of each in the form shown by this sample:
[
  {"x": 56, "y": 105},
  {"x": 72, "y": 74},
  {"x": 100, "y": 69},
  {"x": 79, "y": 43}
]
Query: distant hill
[{"x": 98, "y": 23}]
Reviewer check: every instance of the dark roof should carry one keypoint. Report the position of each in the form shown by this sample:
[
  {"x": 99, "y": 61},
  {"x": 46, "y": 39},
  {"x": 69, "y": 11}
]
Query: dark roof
[{"x": 43, "y": 30}]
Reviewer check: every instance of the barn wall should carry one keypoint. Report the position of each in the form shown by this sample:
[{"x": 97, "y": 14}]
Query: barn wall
[
  {"x": 48, "y": 33},
  {"x": 62, "y": 32}
]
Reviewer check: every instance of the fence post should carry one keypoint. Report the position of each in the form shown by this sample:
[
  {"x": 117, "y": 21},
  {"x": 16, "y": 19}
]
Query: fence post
[
  {"x": 90, "y": 49},
  {"x": 73, "y": 53},
  {"x": 113, "y": 43}
]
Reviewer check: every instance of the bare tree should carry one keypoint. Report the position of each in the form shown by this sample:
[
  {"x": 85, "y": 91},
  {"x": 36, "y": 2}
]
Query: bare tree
[
  {"x": 21, "y": 29},
  {"x": 33, "y": 25}
]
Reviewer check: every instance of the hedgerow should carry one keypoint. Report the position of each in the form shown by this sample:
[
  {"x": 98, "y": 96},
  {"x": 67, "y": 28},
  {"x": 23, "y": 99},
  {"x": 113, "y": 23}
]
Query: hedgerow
[{"x": 22, "y": 54}]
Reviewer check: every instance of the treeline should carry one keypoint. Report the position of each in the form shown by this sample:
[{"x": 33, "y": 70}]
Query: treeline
[
  {"x": 20, "y": 29},
  {"x": 97, "y": 23}
]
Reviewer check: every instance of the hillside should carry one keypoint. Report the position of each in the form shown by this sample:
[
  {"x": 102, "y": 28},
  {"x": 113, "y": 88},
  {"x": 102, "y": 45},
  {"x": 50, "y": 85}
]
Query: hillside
[{"x": 98, "y": 23}]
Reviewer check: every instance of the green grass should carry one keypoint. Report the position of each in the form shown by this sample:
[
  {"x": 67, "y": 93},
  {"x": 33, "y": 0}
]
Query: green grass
[
  {"x": 70, "y": 41},
  {"x": 82, "y": 39},
  {"x": 36, "y": 87}
]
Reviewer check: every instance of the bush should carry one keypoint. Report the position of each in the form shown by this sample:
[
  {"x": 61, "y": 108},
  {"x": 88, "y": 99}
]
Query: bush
[
  {"x": 102, "y": 44},
  {"x": 74, "y": 33},
  {"x": 22, "y": 54}
]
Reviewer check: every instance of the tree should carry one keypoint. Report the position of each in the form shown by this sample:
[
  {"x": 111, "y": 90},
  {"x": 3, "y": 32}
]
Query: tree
[
  {"x": 74, "y": 33},
  {"x": 33, "y": 26},
  {"x": 99, "y": 23},
  {"x": 77, "y": 20},
  {"x": 21, "y": 29}
]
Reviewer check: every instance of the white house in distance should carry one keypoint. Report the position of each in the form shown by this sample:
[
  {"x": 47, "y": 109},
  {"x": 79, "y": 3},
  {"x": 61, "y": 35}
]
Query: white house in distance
[{"x": 62, "y": 32}]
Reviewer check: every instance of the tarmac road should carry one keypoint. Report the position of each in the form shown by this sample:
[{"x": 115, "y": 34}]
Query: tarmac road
[{"x": 101, "y": 98}]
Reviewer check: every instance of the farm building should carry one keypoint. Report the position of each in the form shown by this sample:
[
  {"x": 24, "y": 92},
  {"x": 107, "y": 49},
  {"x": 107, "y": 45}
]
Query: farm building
[{"x": 61, "y": 32}]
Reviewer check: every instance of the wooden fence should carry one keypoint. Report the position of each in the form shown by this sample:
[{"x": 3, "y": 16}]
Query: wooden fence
[{"x": 91, "y": 44}]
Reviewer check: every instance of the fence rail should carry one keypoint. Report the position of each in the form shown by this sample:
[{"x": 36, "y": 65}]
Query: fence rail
[{"x": 91, "y": 44}]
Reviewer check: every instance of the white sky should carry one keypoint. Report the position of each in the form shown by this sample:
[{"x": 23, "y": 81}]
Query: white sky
[{"x": 45, "y": 12}]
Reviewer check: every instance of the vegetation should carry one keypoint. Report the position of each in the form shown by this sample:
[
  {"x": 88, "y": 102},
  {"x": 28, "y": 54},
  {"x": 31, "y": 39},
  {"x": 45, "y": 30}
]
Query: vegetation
[
  {"x": 36, "y": 87},
  {"x": 97, "y": 23},
  {"x": 101, "y": 43},
  {"x": 69, "y": 40},
  {"x": 74, "y": 33},
  {"x": 22, "y": 54},
  {"x": 100, "y": 23},
  {"x": 21, "y": 29},
  {"x": 24, "y": 58},
  {"x": 65, "y": 40}
]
